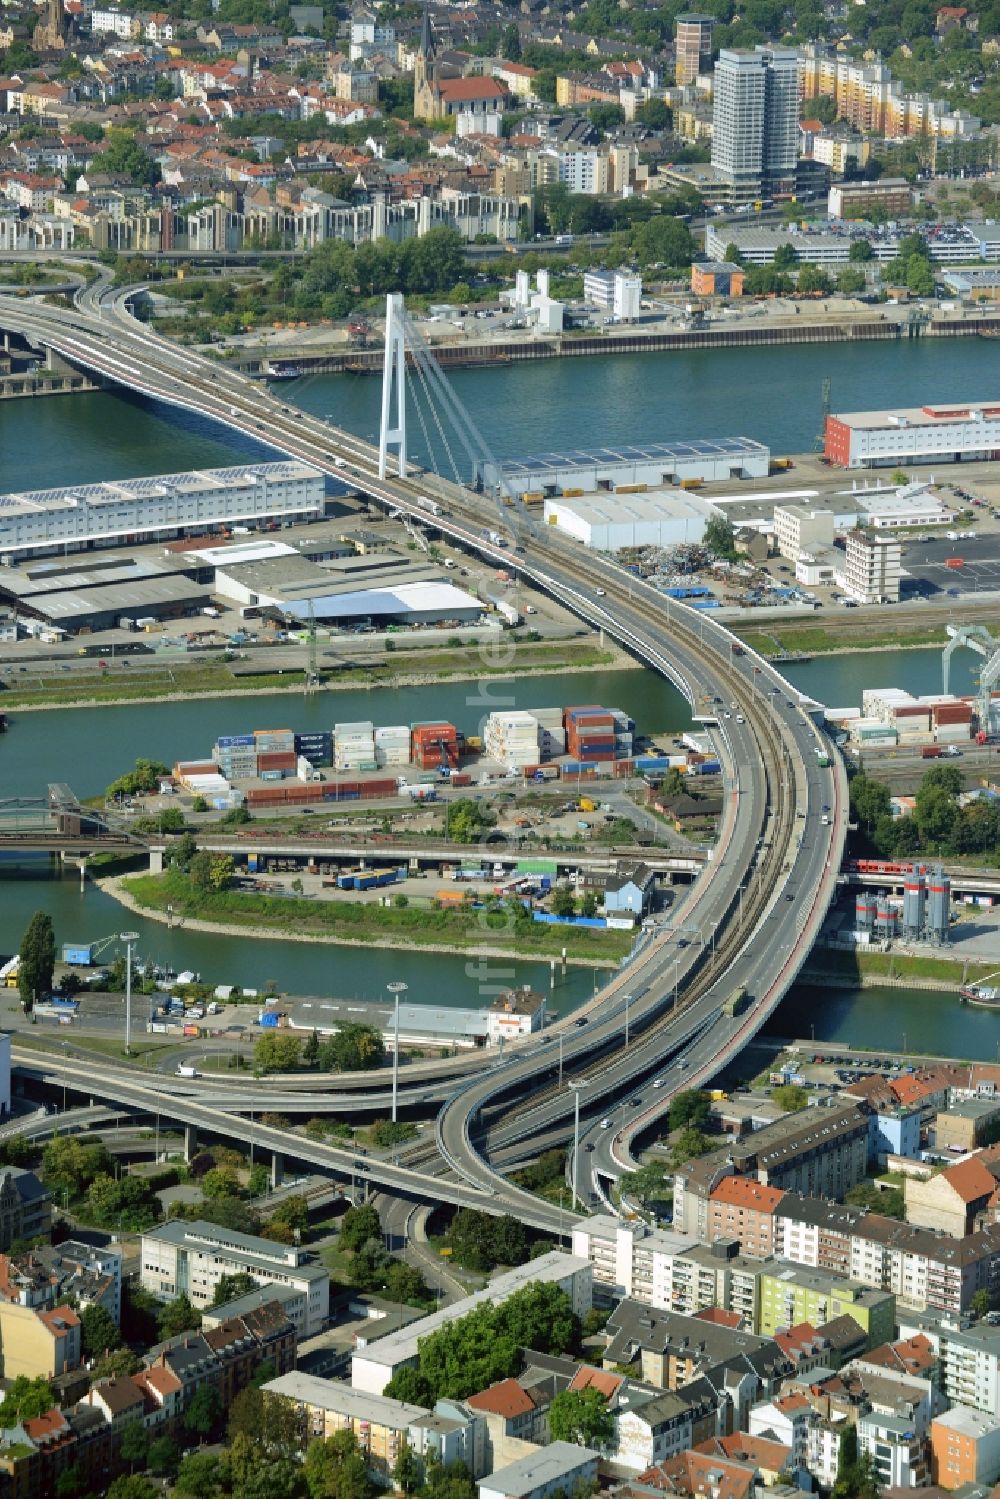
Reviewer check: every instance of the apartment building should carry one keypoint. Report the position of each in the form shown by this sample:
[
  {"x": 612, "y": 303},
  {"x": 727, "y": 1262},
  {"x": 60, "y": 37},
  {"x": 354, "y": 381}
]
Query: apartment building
[
  {"x": 897, "y": 1452},
  {"x": 743, "y": 1209},
  {"x": 967, "y": 1359},
  {"x": 382, "y": 1427},
  {"x": 182, "y": 1258},
  {"x": 873, "y": 568},
  {"x": 41, "y": 1344},
  {"x": 692, "y": 47},
  {"x": 965, "y": 1448},
  {"x": 673, "y": 1350},
  {"x": 25, "y": 1206},
  {"x": 629, "y": 1259},
  {"x": 791, "y": 1294},
  {"x": 822, "y": 1152},
  {"x": 755, "y": 120},
  {"x": 83, "y": 1274}
]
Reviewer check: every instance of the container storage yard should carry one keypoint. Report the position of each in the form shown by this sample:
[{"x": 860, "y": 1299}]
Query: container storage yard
[{"x": 361, "y": 760}]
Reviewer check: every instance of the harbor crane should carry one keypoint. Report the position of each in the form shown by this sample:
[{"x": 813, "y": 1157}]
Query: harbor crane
[{"x": 977, "y": 638}]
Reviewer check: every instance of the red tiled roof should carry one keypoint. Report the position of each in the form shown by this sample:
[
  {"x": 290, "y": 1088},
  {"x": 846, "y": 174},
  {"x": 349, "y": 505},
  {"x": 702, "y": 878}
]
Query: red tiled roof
[
  {"x": 588, "y": 1378},
  {"x": 719, "y": 1317},
  {"x": 743, "y": 1192},
  {"x": 505, "y": 1399},
  {"x": 970, "y": 1179},
  {"x": 467, "y": 90}
]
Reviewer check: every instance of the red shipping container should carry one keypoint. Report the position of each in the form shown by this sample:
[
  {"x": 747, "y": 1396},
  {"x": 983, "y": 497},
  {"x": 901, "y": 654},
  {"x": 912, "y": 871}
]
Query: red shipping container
[
  {"x": 462, "y": 778},
  {"x": 277, "y": 760}
]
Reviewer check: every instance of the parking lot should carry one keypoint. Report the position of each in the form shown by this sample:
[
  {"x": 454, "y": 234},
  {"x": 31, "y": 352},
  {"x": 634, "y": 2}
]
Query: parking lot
[{"x": 926, "y": 573}]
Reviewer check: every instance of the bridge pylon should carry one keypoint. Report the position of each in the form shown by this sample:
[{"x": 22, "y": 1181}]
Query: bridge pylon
[{"x": 393, "y": 374}]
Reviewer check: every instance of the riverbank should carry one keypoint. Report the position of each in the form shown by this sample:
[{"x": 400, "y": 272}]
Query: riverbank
[
  {"x": 123, "y": 691},
  {"x": 856, "y": 631},
  {"x": 169, "y": 899},
  {"x": 892, "y": 970}
]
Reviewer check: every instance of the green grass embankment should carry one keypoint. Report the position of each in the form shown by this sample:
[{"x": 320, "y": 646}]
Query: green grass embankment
[
  {"x": 368, "y": 924},
  {"x": 184, "y": 678},
  {"x": 816, "y": 640},
  {"x": 849, "y": 968}
]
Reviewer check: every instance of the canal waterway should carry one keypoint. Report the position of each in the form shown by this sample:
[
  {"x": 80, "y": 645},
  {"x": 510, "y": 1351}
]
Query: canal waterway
[{"x": 772, "y": 395}]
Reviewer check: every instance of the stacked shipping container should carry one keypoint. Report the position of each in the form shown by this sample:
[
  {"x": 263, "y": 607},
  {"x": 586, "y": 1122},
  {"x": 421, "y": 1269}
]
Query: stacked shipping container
[
  {"x": 354, "y": 746},
  {"x": 392, "y": 745},
  {"x": 434, "y": 745}
]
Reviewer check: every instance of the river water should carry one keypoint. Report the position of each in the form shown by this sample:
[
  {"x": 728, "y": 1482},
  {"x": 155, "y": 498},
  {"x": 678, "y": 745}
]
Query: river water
[{"x": 769, "y": 394}]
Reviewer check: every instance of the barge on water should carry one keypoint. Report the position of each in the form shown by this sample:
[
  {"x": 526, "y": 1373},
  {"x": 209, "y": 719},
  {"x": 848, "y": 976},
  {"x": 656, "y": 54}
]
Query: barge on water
[{"x": 985, "y": 995}]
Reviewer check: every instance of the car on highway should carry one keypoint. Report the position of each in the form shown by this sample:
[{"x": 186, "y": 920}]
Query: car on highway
[
  {"x": 605, "y": 1124},
  {"x": 601, "y": 592}
]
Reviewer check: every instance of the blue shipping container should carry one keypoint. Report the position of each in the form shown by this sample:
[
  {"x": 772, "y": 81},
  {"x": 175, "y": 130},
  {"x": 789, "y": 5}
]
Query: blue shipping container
[
  {"x": 268, "y": 1020},
  {"x": 234, "y": 741}
]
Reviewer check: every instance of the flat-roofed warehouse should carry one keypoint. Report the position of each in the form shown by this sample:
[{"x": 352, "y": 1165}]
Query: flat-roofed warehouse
[
  {"x": 384, "y": 586},
  {"x": 98, "y": 592},
  {"x": 960, "y": 432},
  {"x": 85, "y": 515},
  {"x": 609, "y": 523},
  {"x": 654, "y": 465}
]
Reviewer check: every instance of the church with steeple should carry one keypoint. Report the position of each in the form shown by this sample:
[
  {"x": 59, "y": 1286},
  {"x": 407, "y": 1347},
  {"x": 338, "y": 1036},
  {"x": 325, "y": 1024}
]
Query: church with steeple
[
  {"x": 476, "y": 103},
  {"x": 52, "y": 34}
]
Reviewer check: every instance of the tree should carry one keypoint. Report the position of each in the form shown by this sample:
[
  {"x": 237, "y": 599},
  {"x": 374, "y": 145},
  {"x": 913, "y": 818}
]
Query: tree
[
  {"x": 655, "y": 115},
  {"x": 132, "y": 1486},
  {"x": 199, "y": 1476},
  {"x": 221, "y": 1181},
  {"x": 69, "y": 1167},
  {"x": 71, "y": 1483},
  {"x": 117, "y": 1364},
  {"x": 134, "y": 1444},
  {"x": 163, "y": 1457},
  {"x": 276, "y": 1052},
  {"x": 851, "y": 281},
  {"x": 860, "y": 252},
  {"x": 645, "y": 1182},
  {"x": 204, "y": 1412},
  {"x": 310, "y": 1051},
  {"x": 211, "y": 872},
  {"x": 36, "y": 959},
  {"x": 229, "y": 1287},
  {"x": 414, "y": 1388},
  {"x": 869, "y": 801},
  {"x": 123, "y": 154},
  {"x": 813, "y": 279},
  {"x": 692, "y": 1107},
  {"x": 353, "y": 1048},
  {"x": 25, "y": 1399},
  {"x": 145, "y": 778},
  {"x": 511, "y": 43},
  {"x": 269, "y": 1422},
  {"x": 980, "y": 1304},
  {"x": 719, "y": 539},
  {"x": 665, "y": 240},
  {"x": 358, "y": 1225},
  {"x": 689, "y": 1144},
  {"x": 407, "y": 1471},
  {"x": 581, "y": 1416},
  {"x": 178, "y": 1316},
  {"x": 785, "y": 258},
  {"x": 335, "y": 1468},
  {"x": 791, "y": 1097},
  {"x": 563, "y": 901},
  {"x": 99, "y": 1331}
]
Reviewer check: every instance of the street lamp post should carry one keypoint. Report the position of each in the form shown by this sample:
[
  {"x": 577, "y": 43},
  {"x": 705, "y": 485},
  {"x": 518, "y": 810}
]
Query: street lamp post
[
  {"x": 628, "y": 999},
  {"x": 129, "y": 938},
  {"x": 395, "y": 989}
]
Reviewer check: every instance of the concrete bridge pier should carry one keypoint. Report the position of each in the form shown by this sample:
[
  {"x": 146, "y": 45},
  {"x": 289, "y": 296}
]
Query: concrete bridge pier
[
  {"x": 277, "y": 1170},
  {"x": 83, "y": 871},
  {"x": 190, "y": 1141},
  {"x": 156, "y": 858}
]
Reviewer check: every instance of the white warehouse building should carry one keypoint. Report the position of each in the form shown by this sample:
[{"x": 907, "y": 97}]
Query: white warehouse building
[
  {"x": 652, "y": 465},
  {"x": 85, "y": 515},
  {"x": 613, "y": 522}
]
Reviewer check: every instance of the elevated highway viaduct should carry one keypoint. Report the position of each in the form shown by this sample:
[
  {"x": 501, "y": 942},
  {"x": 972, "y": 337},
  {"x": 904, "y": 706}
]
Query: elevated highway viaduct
[{"x": 752, "y": 916}]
